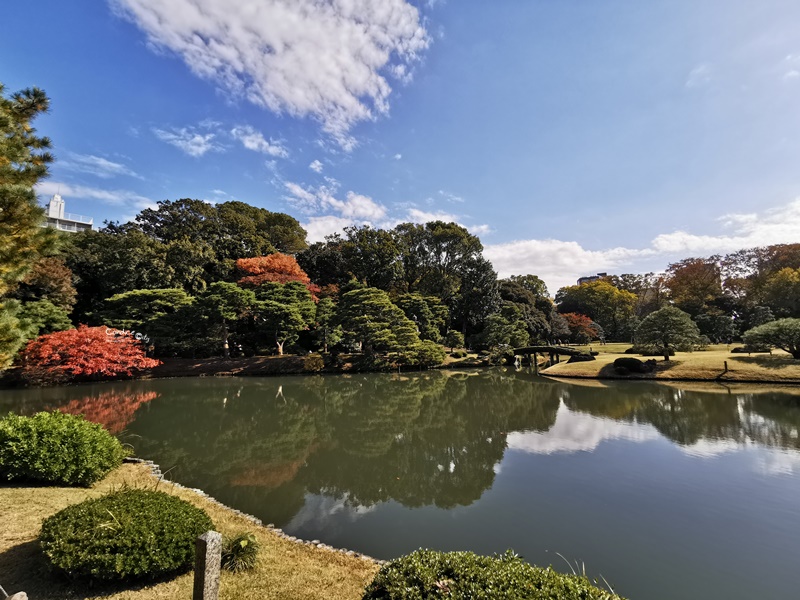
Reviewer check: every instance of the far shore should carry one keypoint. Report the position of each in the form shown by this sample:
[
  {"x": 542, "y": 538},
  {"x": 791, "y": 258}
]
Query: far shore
[{"x": 716, "y": 364}]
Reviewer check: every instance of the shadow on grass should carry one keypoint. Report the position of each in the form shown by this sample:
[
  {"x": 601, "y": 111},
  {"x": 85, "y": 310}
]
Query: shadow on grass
[
  {"x": 24, "y": 568},
  {"x": 767, "y": 362}
]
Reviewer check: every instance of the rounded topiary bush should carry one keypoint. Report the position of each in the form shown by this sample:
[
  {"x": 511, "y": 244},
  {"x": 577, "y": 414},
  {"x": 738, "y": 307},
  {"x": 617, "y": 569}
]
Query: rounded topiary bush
[
  {"x": 129, "y": 534},
  {"x": 56, "y": 448},
  {"x": 464, "y": 575}
]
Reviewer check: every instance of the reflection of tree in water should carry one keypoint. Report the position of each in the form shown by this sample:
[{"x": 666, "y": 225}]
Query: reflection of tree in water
[
  {"x": 113, "y": 408},
  {"x": 242, "y": 434},
  {"x": 688, "y": 417},
  {"x": 443, "y": 453}
]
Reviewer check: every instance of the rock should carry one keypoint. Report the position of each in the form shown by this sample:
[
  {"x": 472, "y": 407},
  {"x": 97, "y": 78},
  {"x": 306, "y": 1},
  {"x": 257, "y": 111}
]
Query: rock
[
  {"x": 19, "y": 596},
  {"x": 626, "y": 365},
  {"x": 580, "y": 358}
]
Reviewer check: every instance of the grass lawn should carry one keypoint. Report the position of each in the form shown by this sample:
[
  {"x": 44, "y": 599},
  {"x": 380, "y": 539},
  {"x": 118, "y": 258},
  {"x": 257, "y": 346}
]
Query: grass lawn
[
  {"x": 709, "y": 365},
  {"x": 285, "y": 569}
]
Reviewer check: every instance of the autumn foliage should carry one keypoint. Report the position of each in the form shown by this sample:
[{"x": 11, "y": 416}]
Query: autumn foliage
[
  {"x": 84, "y": 353},
  {"x": 278, "y": 268},
  {"x": 581, "y": 327}
]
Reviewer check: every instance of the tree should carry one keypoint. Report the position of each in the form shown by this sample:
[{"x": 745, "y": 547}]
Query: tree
[
  {"x": 532, "y": 283},
  {"x": 478, "y": 296},
  {"x": 276, "y": 268},
  {"x": 82, "y": 353},
  {"x": 371, "y": 256},
  {"x": 610, "y": 307},
  {"x": 505, "y": 328},
  {"x": 324, "y": 262},
  {"x": 427, "y": 312},
  {"x": 284, "y": 310},
  {"x": 781, "y": 292},
  {"x": 326, "y": 331},
  {"x": 137, "y": 308},
  {"x": 783, "y": 334},
  {"x": 42, "y": 316},
  {"x": 24, "y": 158},
  {"x": 49, "y": 279},
  {"x": 694, "y": 283},
  {"x": 222, "y": 305},
  {"x": 369, "y": 318},
  {"x": 668, "y": 329},
  {"x": 434, "y": 256},
  {"x": 582, "y": 329},
  {"x": 454, "y": 339},
  {"x": 717, "y": 327}
]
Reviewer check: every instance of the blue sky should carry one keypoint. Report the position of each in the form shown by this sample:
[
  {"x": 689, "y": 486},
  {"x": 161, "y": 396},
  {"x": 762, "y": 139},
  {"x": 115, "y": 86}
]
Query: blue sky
[{"x": 573, "y": 137}]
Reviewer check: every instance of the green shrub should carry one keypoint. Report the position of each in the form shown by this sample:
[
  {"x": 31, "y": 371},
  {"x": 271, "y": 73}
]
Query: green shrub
[
  {"x": 239, "y": 553},
  {"x": 125, "y": 535},
  {"x": 464, "y": 575},
  {"x": 459, "y": 354},
  {"x": 56, "y": 448}
]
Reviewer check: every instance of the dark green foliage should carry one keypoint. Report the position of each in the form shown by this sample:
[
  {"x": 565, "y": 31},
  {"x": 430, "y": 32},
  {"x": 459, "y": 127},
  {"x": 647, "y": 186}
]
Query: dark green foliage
[
  {"x": 56, "y": 448},
  {"x": 464, "y": 575},
  {"x": 240, "y": 552},
  {"x": 129, "y": 534},
  {"x": 783, "y": 334},
  {"x": 459, "y": 354}
]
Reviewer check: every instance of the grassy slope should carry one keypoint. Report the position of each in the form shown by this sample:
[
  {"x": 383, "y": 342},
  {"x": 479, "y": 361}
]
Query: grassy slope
[
  {"x": 704, "y": 365},
  {"x": 285, "y": 569}
]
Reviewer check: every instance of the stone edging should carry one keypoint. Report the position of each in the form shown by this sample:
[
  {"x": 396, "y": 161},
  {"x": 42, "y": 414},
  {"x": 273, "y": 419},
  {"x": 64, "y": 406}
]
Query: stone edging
[{"x": 155, "y": 470}]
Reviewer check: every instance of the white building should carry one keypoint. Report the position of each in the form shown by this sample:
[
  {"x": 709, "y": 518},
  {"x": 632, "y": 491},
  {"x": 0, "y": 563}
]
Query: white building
[{"x": 56, "y": 217}]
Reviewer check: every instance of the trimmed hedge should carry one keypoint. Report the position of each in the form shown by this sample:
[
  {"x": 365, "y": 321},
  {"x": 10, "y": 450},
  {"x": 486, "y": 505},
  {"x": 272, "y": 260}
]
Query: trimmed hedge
[
  {"x": 428, "y": 574},
  {"x": 125, "y": 535},
  {"x": 56, "y": 448}
]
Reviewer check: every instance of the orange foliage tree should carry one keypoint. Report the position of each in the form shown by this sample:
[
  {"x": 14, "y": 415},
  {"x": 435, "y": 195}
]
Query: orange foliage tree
[
  {"x": 581, "y": 327},
  {"x": 279, "y": 268},
  {"x": 82, "y": 354}
]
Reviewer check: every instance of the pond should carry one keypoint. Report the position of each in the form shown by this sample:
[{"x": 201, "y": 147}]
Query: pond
[{"x": 666, "y": 491}]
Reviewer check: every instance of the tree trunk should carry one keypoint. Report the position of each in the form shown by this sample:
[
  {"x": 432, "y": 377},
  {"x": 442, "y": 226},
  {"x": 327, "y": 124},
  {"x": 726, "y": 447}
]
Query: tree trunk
[
  {"x": 666, "y": 351},
  {"x": 796, "y": 353},
  {"x": 280, "y": 347},
  {"x": 225, "y": 348}
]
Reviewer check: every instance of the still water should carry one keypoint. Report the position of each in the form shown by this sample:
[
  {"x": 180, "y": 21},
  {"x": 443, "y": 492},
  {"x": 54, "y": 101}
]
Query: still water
[{"x": 666, "y": 491}]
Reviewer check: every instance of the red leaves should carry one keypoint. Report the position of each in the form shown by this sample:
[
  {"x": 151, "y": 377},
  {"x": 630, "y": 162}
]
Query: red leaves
[
  {"x": 82, "y": 353},
  {"x": 280, "y": 268}
]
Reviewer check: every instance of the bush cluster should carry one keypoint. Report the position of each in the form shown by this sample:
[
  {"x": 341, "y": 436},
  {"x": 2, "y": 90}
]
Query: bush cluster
[
  {"x": 128, "y": 534},
  {"x": 464, "y": 575},
  {"x": 56, "y": 448},
  {"x": 459, "y": 354}
]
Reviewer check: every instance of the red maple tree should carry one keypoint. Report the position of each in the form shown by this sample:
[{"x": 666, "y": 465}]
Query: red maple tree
[
  {"x": 279, "y": 268},
  {"x": 81, "y": 354},
  {"x": 581, "y": 327}
]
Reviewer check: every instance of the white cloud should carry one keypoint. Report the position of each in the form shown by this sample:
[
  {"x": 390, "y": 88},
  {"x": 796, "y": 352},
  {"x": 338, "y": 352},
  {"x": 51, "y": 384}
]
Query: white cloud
[
  {"x": 398, "y": 156},
  {"x": 326, "y": 60},
  {"x": 316, "y": 166},
  {"x": 188, "y": 140},
  {"x": 699, "y": 76},
  {"x": 357, "y": 208},
  {"x": 450, "y": 197},
  {"x": 560, "y": 262},
  {"x": 116, "y": 197},
  {"x": 95, "y": 165},
  {"x": 415, "y": 215},
  {"x": 255, "y": 141},
  {"x": 319, "y": 227}
]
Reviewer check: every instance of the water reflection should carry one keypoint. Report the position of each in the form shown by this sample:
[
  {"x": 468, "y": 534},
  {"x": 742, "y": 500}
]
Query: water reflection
[
  {"x": 430, "y": 439},
  {"x": 693, "y": 481}
]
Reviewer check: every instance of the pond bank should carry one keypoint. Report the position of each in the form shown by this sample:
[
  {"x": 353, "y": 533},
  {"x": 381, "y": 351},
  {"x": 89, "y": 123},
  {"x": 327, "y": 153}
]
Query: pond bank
[
  {"x": 286, "y": 568},
  {"x": 710, "y": 365}
]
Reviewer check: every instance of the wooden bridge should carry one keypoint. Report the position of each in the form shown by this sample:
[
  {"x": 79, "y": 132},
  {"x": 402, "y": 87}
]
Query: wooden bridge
[{"x": 554, "y": 352}]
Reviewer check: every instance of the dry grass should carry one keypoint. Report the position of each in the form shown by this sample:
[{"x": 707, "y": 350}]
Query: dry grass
[
  {"x": 708, "y": 365},
  {"x": 285, "y": 569}
]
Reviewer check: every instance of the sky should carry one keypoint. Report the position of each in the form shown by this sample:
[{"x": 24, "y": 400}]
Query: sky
[{"x": 572, "y": 137}]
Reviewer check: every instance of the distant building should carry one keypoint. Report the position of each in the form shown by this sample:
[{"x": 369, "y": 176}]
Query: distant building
[
  {"x": 57, "y": 218},
  {"x": 592, "y": 278}
]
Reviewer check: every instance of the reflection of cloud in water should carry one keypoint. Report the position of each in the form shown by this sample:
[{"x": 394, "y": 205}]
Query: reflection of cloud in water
[
  {"x": 579, "y": 432},
  {"x": 706, "y": 448},
  {"x": 319, "y": 512},
  {"x": 779, "y": 463}
]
